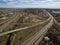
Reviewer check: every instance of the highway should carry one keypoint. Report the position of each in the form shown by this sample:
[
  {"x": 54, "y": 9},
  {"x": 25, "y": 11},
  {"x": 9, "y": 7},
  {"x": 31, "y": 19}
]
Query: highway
[
  {"x": 20, "y": 29},
  {"x": 9, "y": 23},
  {"x": 52, "y": 17},
  {"x": 37, "y": 37},
  {"x": 7, "y": 20}
]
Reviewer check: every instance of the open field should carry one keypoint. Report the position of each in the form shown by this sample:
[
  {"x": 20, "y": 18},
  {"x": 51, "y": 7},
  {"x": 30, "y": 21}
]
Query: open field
[{"x": 23, "y": 35}]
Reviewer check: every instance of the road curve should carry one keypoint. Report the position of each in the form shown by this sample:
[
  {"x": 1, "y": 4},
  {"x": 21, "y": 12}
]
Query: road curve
[
  {"x": 36, "y": 36},
  {"x": 21, "y": 29},
  {"x": 52, "y": 17}
]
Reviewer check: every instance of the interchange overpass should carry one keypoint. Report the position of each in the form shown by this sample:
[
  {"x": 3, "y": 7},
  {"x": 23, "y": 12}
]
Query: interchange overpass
[{"x": 37, "y": 37}]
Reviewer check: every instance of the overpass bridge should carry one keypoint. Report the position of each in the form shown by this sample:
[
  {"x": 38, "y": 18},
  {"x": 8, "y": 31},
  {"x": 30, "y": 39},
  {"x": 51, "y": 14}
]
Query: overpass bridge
[{"x": 33, "y": 39}]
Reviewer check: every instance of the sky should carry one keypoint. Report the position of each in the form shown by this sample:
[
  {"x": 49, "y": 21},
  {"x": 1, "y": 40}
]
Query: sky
[{"x": 29, "y": 3}]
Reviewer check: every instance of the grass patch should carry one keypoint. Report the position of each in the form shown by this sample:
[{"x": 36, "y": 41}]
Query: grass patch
[
  {"x": 1, "y": 20},
  {"x": 24, "y": 35},
  {"x": 57, "y": 27},
  {"x": 3, "y": 39}
]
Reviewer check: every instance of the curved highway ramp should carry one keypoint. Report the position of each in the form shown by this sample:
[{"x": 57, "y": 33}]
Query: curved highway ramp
[{"x": 33, "y": 35}]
